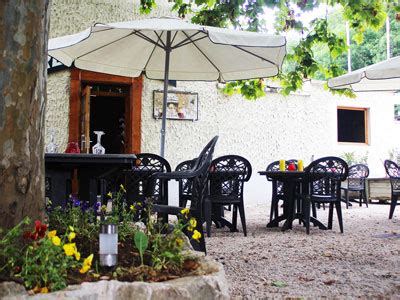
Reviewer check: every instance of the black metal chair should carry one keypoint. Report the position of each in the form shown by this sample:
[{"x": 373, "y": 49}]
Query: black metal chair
[
  {"x": 185, "y": 185},
  {"x": 393, "y": 171},
  {"x": 323, "y": 185},
  {"x": 226, "y": 183},
  {"x": 356, "y": 182},
  {"x": 147, "y": 164},
  {"x": 277, "y": 192},
  {"x": 198, "y": 174}
]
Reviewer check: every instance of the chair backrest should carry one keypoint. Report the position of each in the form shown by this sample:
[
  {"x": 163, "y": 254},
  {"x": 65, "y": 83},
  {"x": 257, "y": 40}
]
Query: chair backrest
[
  {"x": 274, "y": 166},
  {"x": 227, "y": 176},
  {"x": 325, "y": 176},
  {"x": 393, "y": 171},
  {"x": 199, "y": 175},
  {"x": 185, "y": 185},
  {"x": 357, "y": 176},
  {"x": 136, "y": 180}
]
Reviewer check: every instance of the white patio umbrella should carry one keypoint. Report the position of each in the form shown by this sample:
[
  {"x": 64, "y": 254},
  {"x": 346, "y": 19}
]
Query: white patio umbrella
[
  {"x": 383, "y": 76},
  {"x": 169, "y": 48}
]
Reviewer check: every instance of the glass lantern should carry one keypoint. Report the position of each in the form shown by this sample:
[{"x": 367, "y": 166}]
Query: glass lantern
[{"x": 108, "y": 245}]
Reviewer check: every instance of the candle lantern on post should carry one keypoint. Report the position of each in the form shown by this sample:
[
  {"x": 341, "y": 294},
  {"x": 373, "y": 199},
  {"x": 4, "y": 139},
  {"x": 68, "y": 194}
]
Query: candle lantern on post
[{"x": 108, "y": 245}]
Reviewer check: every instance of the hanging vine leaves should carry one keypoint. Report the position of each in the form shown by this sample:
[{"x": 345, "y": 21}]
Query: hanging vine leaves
[{"x": 248, "y": 15}]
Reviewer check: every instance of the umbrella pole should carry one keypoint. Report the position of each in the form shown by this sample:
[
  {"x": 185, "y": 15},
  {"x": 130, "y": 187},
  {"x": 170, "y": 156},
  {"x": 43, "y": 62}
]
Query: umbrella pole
[{"x": 165, "y": 95}]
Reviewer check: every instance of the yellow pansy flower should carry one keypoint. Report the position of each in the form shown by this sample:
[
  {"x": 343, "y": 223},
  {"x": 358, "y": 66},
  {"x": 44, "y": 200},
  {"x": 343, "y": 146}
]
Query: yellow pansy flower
[
  {"x": 71, "y": 236},
  {"x": 56, "y": 240},
  {"x": 52, "y": 233},
  {"x": 132, "y": 207},
  {"x": 77, "y": 255},
  {"x": 84, "y": 269},
  {"x": 69, "y": 249},
  {"x": 88, "y": 260},
  {"x": 196, "y": 235},
  {"x": 190, "y": 228},
  {"x": 87, "y": 263},
  {"x": 192, "y": 222},
  {"x": 109, "y": 194},
  {"x": 185, "y": 211}
]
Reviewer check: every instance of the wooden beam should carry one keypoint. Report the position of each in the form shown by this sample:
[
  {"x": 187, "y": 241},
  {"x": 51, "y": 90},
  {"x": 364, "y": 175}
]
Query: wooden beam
[
  {"x": 74, "y": 106},
  {"x": 104, "y": 78},
  {"x": 136, "y": 113}
]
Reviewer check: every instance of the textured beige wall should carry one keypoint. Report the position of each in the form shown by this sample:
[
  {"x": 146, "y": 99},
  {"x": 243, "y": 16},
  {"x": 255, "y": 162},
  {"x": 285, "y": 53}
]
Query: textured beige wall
[
  {"x": 270, "y": 128},
  {"x": 71, "y": 16},
  {"x": 57, "y": 108}
]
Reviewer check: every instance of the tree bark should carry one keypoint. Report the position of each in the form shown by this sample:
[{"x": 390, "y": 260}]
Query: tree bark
[{"x": 24, "y": 27}]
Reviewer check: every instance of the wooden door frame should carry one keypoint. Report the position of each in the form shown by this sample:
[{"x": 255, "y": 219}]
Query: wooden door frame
[{"x": 133, "y": 106}]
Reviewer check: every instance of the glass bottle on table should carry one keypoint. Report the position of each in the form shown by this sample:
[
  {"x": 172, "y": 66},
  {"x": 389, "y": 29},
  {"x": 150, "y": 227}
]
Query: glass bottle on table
[
  {"x": 52, "y": 146},
  {"x": 98, "y": 148}
]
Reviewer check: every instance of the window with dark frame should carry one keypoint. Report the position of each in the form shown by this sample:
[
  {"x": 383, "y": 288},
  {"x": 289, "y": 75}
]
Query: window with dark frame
[{"x": 352, "y": 125}]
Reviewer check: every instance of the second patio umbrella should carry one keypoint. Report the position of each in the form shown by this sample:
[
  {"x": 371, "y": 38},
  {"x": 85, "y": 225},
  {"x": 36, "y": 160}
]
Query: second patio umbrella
[
  {"x": 383, "y": 76},
  {"x": 169, "y": 48}
]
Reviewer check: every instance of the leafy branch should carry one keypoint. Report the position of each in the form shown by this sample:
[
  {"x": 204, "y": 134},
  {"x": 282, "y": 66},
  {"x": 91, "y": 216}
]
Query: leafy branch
[{"x": 247, "y": 15}]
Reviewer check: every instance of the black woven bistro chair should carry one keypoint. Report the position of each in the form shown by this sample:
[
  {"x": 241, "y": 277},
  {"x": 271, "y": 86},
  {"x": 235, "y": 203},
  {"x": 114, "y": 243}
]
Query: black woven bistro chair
[
  {"x": 185, "y": 185},
  {"x": 147, "y": 164},
  {"x": 323, "y": 185},
  {"x": 277, "y": 192},
  {"x": 198, "y": 174},
  {"x": 393, "y": 171},
  {"x": 356, "y": 182},
  {"x": 226, "y": 184}
]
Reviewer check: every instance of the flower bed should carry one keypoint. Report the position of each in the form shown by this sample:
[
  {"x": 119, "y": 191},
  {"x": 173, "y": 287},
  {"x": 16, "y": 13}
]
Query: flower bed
[
  {"x": 64, "y": 250},
  {"x": 207, "y": 282}
]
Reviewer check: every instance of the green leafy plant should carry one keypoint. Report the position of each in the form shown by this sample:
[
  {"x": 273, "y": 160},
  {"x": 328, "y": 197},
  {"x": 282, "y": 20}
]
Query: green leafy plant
[
  {"x": 47, "y": 261},
  {"x": 141, "y": 243},
  {"x": 11, "y": 249},
  {"x": 43, "y": 259},
  {"x": 163, "y": 245},
  {"x": 352, "y": 158},
  {"x": 120, "y": 213},
  {"x": 83, "y": 220}
]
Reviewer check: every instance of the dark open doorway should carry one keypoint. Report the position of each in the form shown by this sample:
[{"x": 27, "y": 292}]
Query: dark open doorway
[
  {"x": 85, "y": 83},
  {"x": 108, "y": 114}
]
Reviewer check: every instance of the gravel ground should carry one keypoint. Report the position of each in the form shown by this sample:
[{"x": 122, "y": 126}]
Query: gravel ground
[{"x": 364, "y": 262}]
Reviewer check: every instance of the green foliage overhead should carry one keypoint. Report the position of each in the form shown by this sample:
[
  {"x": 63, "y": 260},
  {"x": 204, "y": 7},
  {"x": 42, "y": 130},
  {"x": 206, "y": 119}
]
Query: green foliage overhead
[{"x": 302, "y": 63}]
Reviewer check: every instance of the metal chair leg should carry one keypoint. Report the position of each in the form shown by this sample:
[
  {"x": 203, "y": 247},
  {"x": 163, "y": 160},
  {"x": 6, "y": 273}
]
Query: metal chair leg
[{"x": 392, "y": 205}]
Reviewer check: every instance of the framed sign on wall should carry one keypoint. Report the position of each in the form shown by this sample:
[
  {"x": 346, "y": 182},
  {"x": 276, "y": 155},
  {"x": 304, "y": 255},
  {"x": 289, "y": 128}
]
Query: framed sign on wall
[{"x": 180, "y": 105}]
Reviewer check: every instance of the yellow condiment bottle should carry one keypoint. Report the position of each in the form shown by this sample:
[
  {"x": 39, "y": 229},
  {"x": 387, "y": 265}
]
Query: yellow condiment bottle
[
  {"x": 282, "y": 165},
  {"x": 300, "y": 165}
]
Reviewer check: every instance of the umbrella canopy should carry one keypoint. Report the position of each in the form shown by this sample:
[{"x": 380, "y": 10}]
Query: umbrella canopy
[
  {"x": 383, "y": 76},
  {"x": 169, "y": 48}
]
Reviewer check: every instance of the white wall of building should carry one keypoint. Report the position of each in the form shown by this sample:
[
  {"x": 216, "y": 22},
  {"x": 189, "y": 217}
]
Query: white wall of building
[{"x": 273, "y": 127}]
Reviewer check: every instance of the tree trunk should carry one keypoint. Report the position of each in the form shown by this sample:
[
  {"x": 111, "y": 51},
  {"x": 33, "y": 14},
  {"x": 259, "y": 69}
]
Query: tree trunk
[{"x": 24, "y": 26}]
